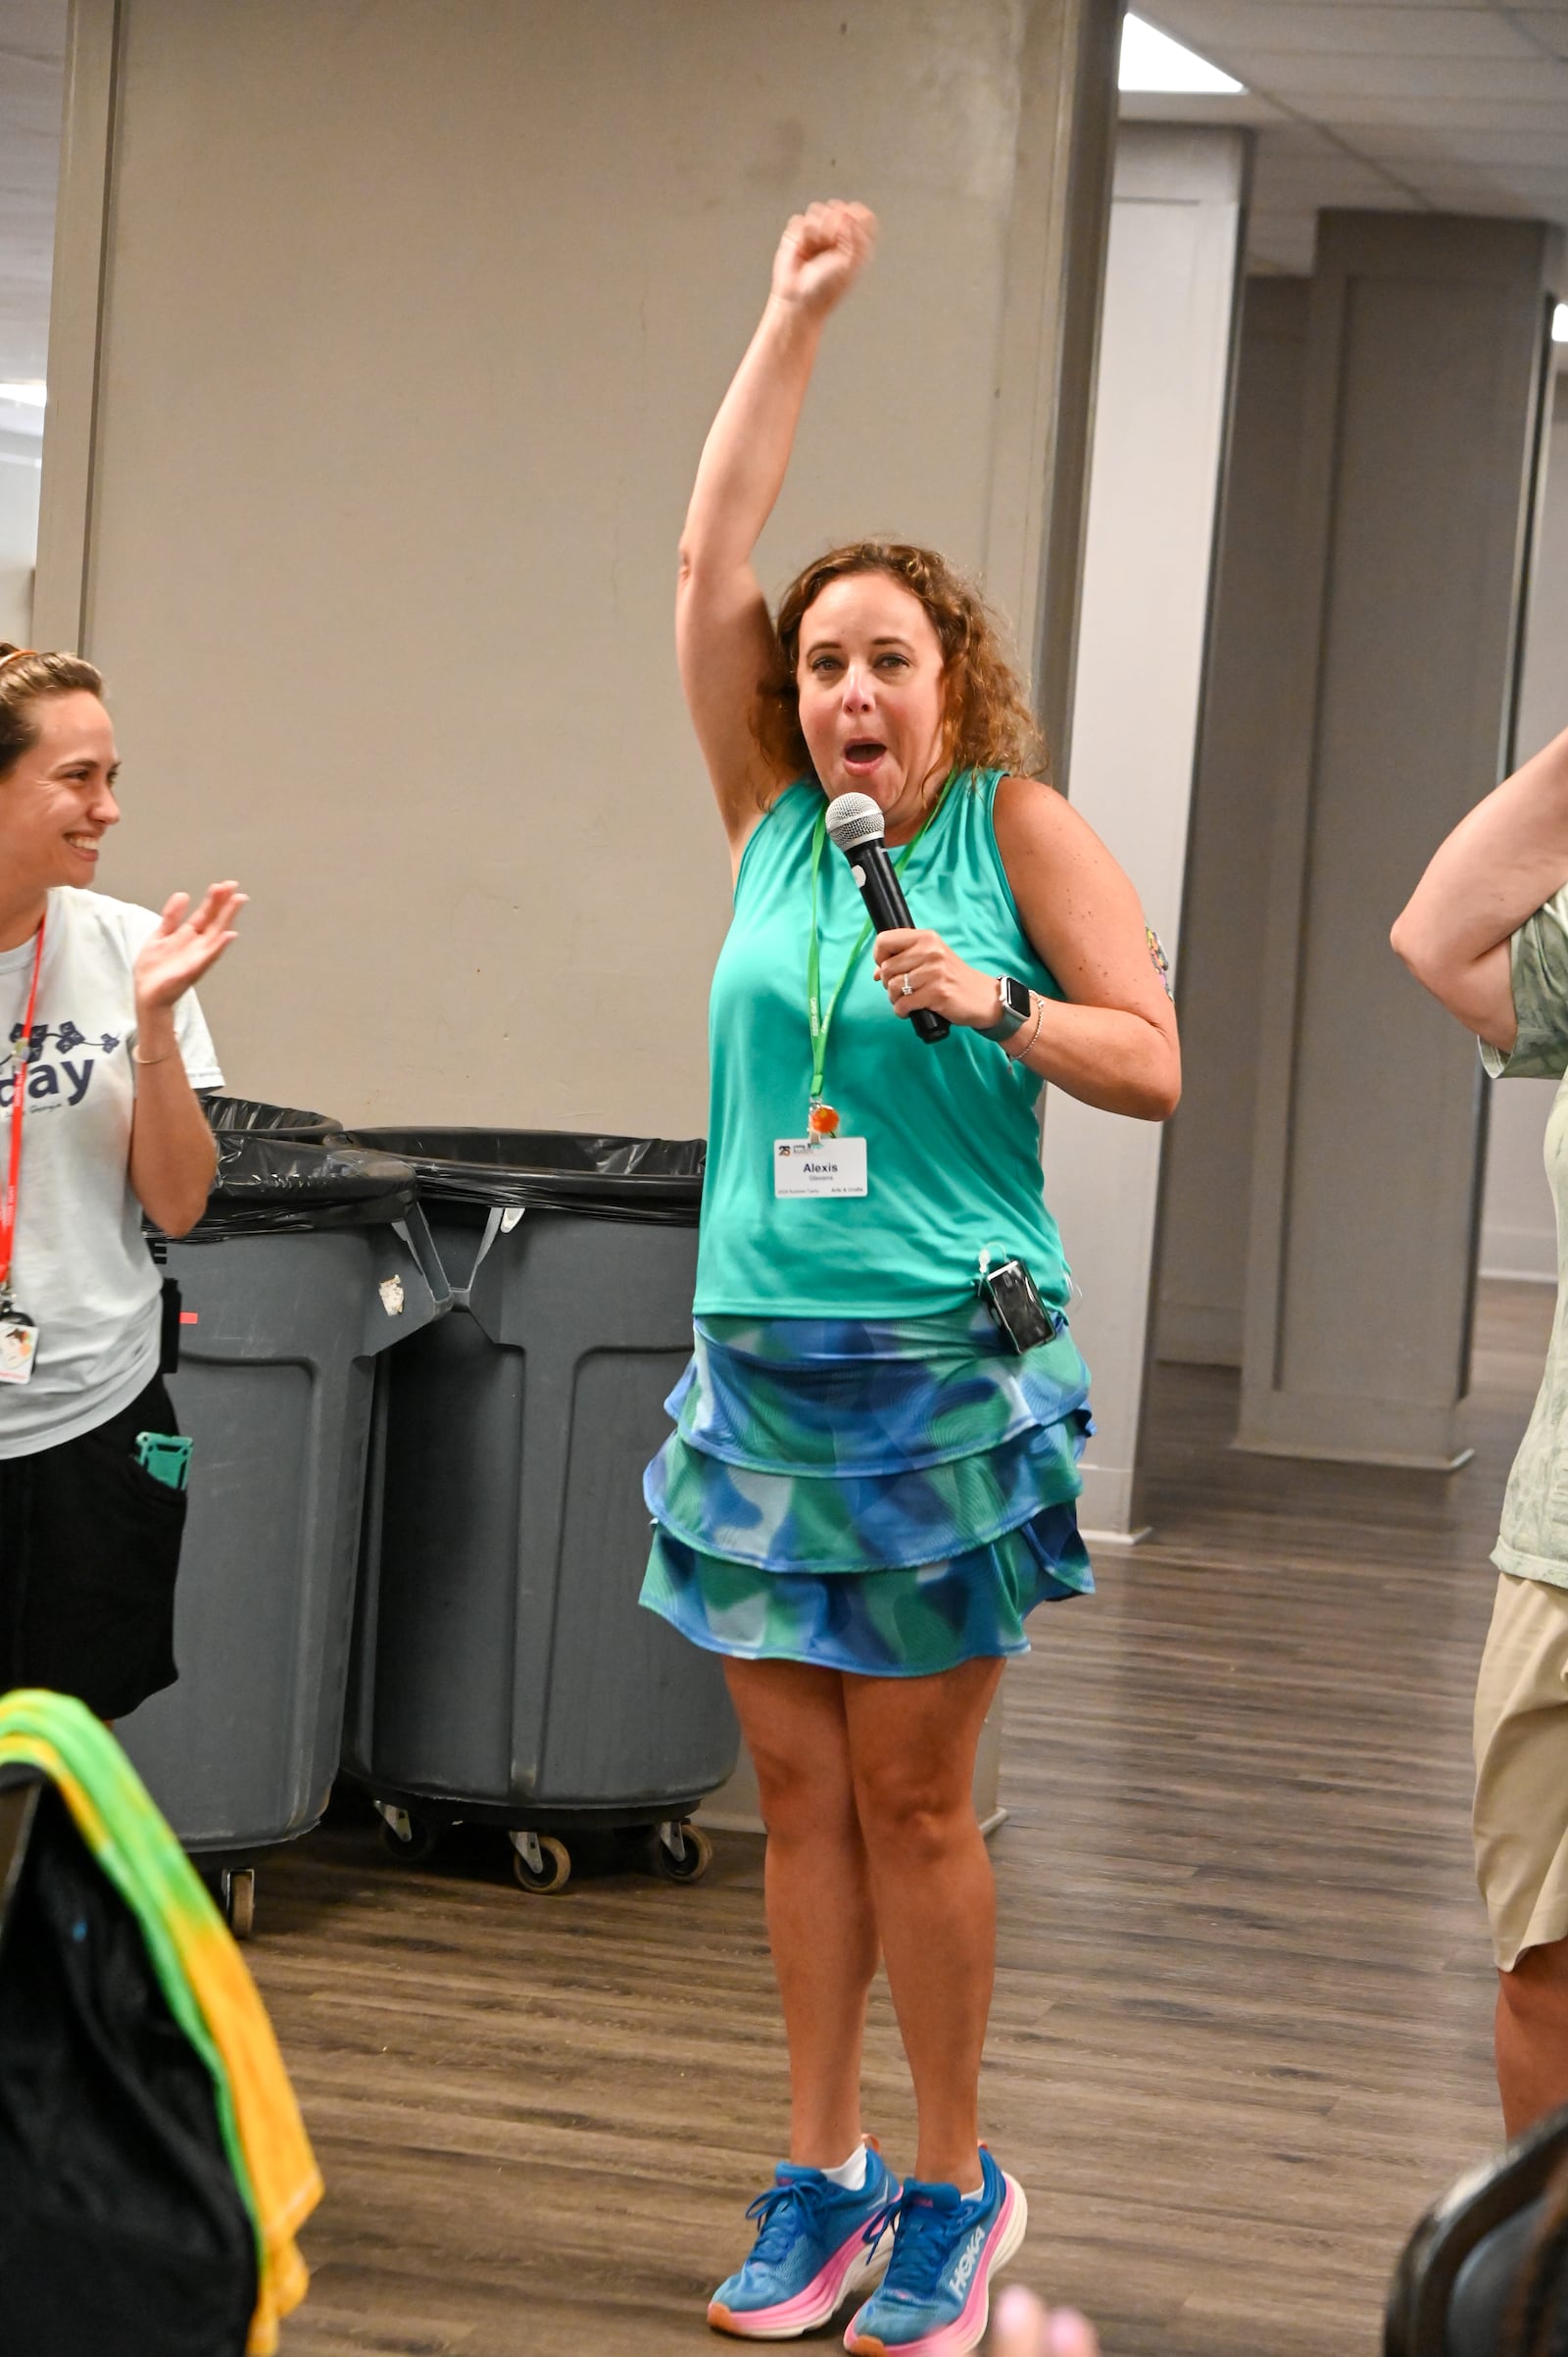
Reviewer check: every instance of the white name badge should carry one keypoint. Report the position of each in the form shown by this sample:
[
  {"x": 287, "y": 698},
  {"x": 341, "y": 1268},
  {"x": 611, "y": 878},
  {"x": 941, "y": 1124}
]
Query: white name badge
[
  {"x": 824, "y": 1166},
  {"x": 19, "y": 1344}
]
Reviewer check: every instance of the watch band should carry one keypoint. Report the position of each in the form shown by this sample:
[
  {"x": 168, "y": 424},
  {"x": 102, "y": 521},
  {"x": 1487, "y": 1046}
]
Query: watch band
[{"x": 1007, "y": 1022}]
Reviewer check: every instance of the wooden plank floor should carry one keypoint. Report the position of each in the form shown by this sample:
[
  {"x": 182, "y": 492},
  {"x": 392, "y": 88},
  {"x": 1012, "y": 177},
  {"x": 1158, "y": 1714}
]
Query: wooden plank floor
[{"x": 1241, "y": 2028}]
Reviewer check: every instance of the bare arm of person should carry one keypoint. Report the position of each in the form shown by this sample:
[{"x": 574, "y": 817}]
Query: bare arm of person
[
  {"x": 1502, "y": 862},
  {"x": 723, "y": 636},
  {"x": 1112, "y": 1041},
  {"x": 172, "y": 1156}
]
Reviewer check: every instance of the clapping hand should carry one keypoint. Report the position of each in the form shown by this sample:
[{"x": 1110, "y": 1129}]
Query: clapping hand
[
  {"x": 821, "y": 252},
  {"x": 185, "y": 945},
  {"x": 1022, "y": 2329}
]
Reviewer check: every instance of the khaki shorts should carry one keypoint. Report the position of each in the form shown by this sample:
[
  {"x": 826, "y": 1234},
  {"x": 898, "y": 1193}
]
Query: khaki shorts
[{"x": 1521, "y": 1740}]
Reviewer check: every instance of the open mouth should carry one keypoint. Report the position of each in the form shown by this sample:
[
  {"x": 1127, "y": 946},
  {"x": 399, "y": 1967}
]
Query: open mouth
[{"x": 863, "y": 753}]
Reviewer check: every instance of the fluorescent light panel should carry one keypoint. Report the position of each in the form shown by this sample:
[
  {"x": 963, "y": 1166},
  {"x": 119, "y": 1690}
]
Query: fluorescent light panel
[
  {"x": 1152, "y": 60},
  {"x": 1560, "y": 325}
]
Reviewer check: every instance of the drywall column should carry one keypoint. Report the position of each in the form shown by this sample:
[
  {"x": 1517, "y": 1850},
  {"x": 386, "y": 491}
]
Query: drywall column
[
  {"x": 1207, "y": 1181},
  {"x": 385, "y": 342},
  {"x": 1425, "y": 375},
  {"x": 1159, "y": 445}
]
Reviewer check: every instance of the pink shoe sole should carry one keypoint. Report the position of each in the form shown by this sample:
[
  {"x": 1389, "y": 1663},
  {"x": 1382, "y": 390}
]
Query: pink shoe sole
[
  {"x": 852, "y": 2271},
  {"x": 969, "y": 2327}
]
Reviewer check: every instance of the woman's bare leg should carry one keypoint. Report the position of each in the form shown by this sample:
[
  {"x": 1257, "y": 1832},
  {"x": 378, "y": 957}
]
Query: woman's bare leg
[
  {"x": 820, "y": 1919},
  {"x": 912, "y": 1748}
]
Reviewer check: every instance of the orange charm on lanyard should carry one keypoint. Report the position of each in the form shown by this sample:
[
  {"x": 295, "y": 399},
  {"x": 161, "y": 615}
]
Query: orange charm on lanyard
[{"x": 19, "y": 1336}]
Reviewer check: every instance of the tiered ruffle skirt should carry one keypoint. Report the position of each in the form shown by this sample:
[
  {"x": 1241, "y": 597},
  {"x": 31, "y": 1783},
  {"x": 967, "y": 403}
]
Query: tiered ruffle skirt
[{"x": 890, "y": 1497}]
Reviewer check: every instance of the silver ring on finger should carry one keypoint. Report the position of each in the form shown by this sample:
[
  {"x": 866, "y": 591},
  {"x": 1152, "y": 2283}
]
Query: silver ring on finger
[{"x": 908, "y": 986}]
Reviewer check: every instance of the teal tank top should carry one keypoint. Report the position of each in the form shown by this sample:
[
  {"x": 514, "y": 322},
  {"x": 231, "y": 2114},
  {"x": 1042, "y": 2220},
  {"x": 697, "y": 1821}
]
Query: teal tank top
[{"x": 952, "y": 1131}]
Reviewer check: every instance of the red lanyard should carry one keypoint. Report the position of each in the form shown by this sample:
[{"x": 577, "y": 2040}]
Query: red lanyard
[{"x": 21, "y": 1059}]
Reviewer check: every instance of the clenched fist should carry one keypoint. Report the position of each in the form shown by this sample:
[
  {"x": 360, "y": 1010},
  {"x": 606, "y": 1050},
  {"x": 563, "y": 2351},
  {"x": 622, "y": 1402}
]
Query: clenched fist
[{"x": 821, "y": 252}]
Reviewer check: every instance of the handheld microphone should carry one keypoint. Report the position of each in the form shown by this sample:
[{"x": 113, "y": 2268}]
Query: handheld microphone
[{"x": 857, "y": 827}]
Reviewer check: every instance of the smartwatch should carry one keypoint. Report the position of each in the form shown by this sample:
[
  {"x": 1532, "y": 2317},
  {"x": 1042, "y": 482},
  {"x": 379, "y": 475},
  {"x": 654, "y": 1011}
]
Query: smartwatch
[{"x": 1013, "y": 1007}]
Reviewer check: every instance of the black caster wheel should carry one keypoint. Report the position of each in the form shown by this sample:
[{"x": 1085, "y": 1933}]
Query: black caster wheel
[
  {"x": 237, "y": 1887},
  {"x": 681, "y": 1853},
  {"x": 406, "y": 1837},
  {"x": 541, "y": 1864}
]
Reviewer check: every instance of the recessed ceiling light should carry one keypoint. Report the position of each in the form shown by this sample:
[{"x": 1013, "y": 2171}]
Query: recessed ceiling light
[
  {"x": 32, "y": 393},
  {"x": 1152, "y": 60},
  {"x": 1560, "y": 325}
]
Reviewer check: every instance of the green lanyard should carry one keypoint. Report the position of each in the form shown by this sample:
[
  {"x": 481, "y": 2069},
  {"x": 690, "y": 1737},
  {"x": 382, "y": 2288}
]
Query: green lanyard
[{"x": 821, "y": 1024}]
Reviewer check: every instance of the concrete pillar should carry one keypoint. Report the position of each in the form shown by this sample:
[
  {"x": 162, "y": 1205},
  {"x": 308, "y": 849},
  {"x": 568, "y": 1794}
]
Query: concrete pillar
[
  {"x": 1423, "y": 409},
  {"x": 1159, "y": 436}
]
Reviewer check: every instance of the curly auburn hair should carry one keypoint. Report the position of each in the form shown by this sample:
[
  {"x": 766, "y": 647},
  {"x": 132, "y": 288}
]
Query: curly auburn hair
[
  {"x": 987, "y": 722},
  {"x": 26, "y": 678}
]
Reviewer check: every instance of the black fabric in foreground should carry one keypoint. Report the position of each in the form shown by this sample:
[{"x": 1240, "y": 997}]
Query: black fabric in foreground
[{"x": 122, "y": 2232}]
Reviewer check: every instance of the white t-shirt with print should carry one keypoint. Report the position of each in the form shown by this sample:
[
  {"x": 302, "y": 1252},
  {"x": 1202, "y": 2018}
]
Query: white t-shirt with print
[{"x": 82, "y": 1270}]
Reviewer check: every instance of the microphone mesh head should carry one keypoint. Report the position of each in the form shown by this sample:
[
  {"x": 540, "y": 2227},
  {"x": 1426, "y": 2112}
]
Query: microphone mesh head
[{"x": 853, "y": 819}]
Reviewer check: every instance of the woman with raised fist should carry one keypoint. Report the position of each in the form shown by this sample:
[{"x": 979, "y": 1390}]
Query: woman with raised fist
[{"x": 872, "y": 1478}]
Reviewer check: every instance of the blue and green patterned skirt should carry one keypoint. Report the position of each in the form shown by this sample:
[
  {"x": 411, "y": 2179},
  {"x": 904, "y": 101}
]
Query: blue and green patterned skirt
[{"x": 890, "y": 1497}]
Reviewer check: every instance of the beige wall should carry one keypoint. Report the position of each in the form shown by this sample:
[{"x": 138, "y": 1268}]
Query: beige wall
[{"x": 413, "y": 320}]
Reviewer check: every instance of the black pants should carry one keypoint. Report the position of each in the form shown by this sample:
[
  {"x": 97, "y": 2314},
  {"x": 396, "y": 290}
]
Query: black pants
[{"x": 89, "y": 1548}]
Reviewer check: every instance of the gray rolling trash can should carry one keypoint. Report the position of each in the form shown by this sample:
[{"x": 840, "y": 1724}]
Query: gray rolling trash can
[
  {"x": 504, "y": 1671},
  {"x": 310, "y": 1261}
]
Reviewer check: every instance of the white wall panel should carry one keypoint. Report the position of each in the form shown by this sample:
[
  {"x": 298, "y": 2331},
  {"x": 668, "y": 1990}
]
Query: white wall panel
[{"x": 1154, "y": 485}]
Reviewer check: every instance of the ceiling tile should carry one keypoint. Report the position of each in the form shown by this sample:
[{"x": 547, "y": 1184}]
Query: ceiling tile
[
  {"x": 1309, "y": 29},
  {"x": 1301, "y": 79},
  {"x": 1549, "y": 113},
  {"x": 1400, "y": 145}
]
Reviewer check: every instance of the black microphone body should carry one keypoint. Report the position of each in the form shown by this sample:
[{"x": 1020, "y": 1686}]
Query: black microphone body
[{"x": 889, "y": 911}]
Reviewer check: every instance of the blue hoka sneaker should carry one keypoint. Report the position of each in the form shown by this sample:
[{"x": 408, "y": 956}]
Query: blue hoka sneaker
[
  {"x": 935, "y": 2295},
  {"x": 815, "y": 2251}
]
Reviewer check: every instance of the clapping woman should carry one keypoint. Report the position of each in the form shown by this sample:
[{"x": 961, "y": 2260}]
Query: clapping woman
[
  {"x": 872, "y": 1484},
  {"x": 101, "y": 1045}
]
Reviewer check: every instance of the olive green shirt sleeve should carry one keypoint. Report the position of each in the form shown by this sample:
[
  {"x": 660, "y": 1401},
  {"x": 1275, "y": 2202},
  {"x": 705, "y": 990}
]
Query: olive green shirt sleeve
[{"x": 1537, "y": 961}]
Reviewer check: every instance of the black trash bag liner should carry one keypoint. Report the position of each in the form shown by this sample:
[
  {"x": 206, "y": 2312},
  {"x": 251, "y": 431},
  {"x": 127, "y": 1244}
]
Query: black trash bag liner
[
  {"x": 254, "y": 1119},
  {"x": 658, "y": 1180},
  {"x": 279, "y": 1186},
  {"x": 121, "y": 2228}
]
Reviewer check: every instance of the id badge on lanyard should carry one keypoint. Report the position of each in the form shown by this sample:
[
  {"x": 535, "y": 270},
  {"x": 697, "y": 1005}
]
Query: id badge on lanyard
[{"x": 18, "y": 1333}]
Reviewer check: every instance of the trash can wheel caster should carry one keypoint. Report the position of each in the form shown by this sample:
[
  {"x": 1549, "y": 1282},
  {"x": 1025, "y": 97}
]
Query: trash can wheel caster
[
  {"x": 680, "y": 1852},
  {"x": 237, "y": 1898},
  {"x": 540, "y": 1863},
  {"x": 406, "y": 1837}
]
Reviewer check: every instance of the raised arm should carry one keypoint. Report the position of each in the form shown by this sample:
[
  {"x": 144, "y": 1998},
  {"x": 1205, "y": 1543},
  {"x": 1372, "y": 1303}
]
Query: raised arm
[
  {"x": 1502, "y": 862},
  {"x": 724, "y": 637}
]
